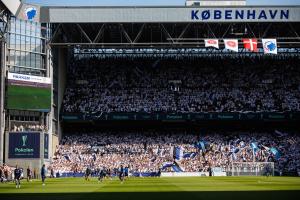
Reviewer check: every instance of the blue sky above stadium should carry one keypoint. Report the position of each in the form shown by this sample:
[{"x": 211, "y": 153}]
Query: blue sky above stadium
[{"x": 146, "y": 2}]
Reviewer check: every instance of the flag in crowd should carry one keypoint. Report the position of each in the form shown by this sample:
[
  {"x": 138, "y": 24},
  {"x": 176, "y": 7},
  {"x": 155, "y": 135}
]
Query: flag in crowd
[
  {"x": 189, "y": 155},
  {"x": 251, "y": 44},
  {"x": 166, "y": 165},
  {"x": 234, "y": 157},
  {"x": 201, "y": 145},
  {"x": 178, "y": 153},
  {"x": 254, "y": 149},
  {"x": 254, "y": 146},
  {"x": 265, "y": 147},
  {"x": 275, "y": 152}
]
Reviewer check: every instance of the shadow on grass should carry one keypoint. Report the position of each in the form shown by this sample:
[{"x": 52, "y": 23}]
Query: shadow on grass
[{"x": 245, "y": 195}]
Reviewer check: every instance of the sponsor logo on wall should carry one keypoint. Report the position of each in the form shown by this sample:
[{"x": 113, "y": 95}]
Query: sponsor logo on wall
[{"x": 24, "y": 145}]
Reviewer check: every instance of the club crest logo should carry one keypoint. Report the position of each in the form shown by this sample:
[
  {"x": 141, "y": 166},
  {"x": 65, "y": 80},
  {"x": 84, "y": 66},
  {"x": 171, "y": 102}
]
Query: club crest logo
[
  {"x": 30, "y": 13},
  {"x": 270, "y": 46}
]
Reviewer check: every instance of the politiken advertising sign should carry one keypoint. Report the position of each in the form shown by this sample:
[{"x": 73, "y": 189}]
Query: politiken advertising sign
[
  {"x": 24, "y": 145},
  {"x": 29, "y": 78}
]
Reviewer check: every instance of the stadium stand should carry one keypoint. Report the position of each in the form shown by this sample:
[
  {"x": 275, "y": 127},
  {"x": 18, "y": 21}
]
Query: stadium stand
[
  {"x": 217, "y": 84},
  {"x": 149, "y": 151},
  {"x": 5, "y": 173},
  {"x": 24, "y": 127}
]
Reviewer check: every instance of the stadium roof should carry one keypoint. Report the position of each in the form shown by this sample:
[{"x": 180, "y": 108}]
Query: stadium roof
[
  {"x": 151, "y": 14},
  {"x": 169, "y": 14},
  {"x": 171, "y": 26},
  {"x": 164, "y": 26}
]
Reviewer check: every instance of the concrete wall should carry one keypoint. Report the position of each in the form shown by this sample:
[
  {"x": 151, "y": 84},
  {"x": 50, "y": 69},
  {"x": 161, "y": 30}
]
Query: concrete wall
[
  {"x": 62, "y": 55},
  {"x": 4, "y": 122},
  {"x": 2, "y": 98},
  {"x": 55, "y": 142},
  {"x": 165, "y": 14}
]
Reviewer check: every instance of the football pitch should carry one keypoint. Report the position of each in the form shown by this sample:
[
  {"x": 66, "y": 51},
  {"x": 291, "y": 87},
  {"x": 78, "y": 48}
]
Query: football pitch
[{"x": 184, "y": 188}]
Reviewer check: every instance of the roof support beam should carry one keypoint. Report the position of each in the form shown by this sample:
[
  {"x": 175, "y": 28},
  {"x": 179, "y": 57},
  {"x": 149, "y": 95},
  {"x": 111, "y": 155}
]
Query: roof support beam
[
  {"x": 125, "y": 33},
  {"x": 266, "y": 30},
  {"x": 294, "y": 30},
  {"x": 226, "y": 31},
  {"x": 210, "y": 31},
  {"x": 55, "y": 33},
  {"x": 167, "y": 33},
  {"x": 250, "y": 29},
  {"x": 84, "y": 33},
  {"x": 148, "y": 35},
  {"x": 139, "y": 34},
  {"x": 184, "y": 30},
  {"x": 99, "y": 34}
]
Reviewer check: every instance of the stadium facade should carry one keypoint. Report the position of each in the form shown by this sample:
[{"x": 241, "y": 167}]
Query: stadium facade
[{"x": 36, "y": 40}]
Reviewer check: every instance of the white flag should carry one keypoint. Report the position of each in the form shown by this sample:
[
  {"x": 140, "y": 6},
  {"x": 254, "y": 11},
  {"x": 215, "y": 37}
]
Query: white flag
[
  {"x": 212, "y": 43},
  {"x": 231, "y": 44},
  {"x": 270, "y": 46}
]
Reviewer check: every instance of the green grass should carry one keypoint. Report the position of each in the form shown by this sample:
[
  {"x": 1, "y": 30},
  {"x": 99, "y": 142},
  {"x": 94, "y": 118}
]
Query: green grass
[
  {"x": 28, "y": 98},
  {"x": 158, "y": 188}
]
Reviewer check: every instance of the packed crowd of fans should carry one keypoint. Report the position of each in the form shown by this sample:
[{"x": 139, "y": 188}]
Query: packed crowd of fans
[
  {"x": 27, "y": 126},
  {"x": 149, "y": 151},
  {"x": 5, "y": 173},
  {"x": 184, "y": 85}
]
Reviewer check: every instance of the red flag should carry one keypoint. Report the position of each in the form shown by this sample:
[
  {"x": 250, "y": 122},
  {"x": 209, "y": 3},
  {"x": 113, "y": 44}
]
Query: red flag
[{"x": 250, "y": 44}]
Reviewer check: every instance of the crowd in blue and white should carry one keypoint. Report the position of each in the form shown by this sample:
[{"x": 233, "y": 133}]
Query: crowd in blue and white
[
  {"x": 218, "y": 84},
  {"x": 5, "y": 173},
  {"x": 27, "y": 126},
  {"x": 151, "y": 151}
]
